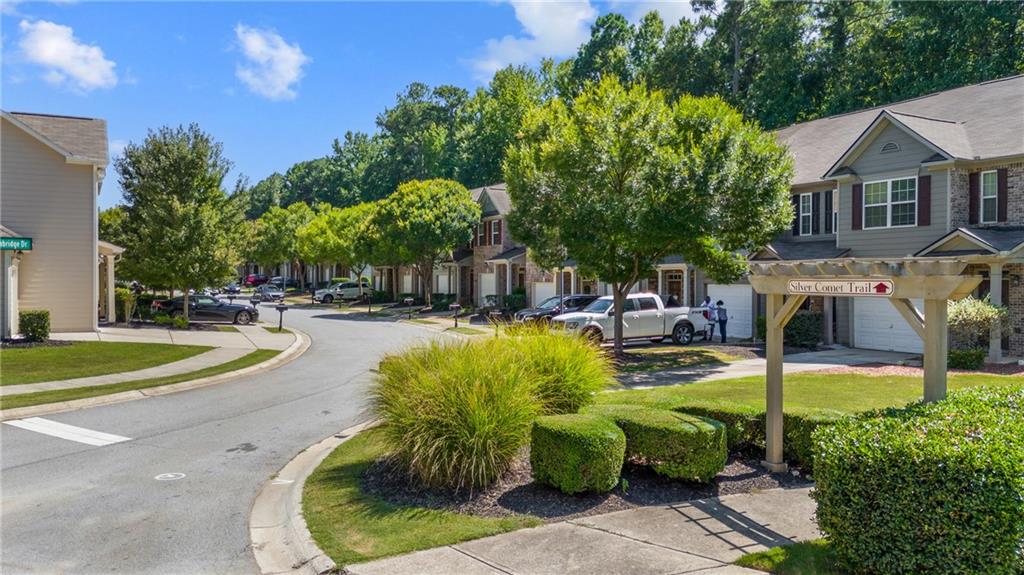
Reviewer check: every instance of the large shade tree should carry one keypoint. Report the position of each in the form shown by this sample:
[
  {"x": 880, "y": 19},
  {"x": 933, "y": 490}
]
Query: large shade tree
[
  {"x": 422, "y": 222},
  {"x": 623, "y": 178},
  {"x": 273, "y": 238},
  {"x": 180, "y": 226}
]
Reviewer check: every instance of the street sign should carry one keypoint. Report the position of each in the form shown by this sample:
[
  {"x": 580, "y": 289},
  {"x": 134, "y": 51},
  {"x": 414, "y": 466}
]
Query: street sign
[
  {"x": 858, "y": 287},
  {"x": 13, "y": 244}
]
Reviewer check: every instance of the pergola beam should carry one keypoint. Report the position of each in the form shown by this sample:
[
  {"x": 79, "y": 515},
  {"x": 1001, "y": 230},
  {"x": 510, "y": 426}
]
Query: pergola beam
[{"x": 910, "y": 313}]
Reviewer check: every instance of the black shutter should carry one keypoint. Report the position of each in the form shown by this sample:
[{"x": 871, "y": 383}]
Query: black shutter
[
  {"x": 858, "y": 207},
  {"x": 816, "y": 213},
  {"x": 828, "y": 212},
  {"x": 1002, "y": 198},
  {"x": 795, "y": 200},
  {"x": 973, "y": 199},
  {"x": 924, "y": 200}
]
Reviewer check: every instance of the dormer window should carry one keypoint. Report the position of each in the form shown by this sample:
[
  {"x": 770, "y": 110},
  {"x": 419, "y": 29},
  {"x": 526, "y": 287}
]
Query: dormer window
[{"x": 890, "y": 147}]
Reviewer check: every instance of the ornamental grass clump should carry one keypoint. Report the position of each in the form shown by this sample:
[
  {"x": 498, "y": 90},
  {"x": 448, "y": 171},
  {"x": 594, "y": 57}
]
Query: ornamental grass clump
[
  {"x": 455, "y": 414},
  {"x": 566, "y": 370},
  {"x": 931, "y": 488}
]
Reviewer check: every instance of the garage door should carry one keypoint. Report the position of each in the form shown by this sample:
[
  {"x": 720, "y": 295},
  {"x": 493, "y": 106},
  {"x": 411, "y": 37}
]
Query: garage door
[
  {"x": 877, "y": 325},
  {"x": 542, "y": 291},
  {"x": 487, "y": 287},
  {"x": 739, "y": 300}
]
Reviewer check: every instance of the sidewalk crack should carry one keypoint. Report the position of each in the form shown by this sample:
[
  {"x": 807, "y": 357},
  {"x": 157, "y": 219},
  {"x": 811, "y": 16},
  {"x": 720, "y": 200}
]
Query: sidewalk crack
[
  {"x": 487, "y": 563},
  {"x": 651, "y": 543}
]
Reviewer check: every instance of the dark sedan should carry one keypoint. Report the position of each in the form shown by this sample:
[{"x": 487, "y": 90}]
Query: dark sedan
[
  {"x": 206, "y": 308},
  {"x": 555, "y": 305}
]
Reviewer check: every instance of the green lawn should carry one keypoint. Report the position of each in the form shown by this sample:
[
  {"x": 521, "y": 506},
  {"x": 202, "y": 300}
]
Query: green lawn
[
  {"x": 467, "y": 330},
  {"x": 807, "y": 558},
  {"x": 659, "y": 358},
  {"x": 228, "y": 328},
  {"x": 275, "y": 330},
  {"x": 841, "y": 392},
  {"x": 422, "y": 321},
  {"x": 351, "y": 526},
  {"x": 87, "y": 358},
  {"x": 27, "y": 399}
]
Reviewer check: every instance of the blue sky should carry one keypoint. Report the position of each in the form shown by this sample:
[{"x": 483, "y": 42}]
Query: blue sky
[{"x": 275, "y": 82}]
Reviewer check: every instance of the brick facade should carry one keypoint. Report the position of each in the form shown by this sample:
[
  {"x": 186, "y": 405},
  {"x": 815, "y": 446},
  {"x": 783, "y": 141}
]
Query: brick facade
[
  {"x": 1014, "y": 300},
  {"x": 959, "y": 207}
]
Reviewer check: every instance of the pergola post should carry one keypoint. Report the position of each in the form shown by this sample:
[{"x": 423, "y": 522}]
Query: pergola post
[
  {"x": 774, "y": 461},
  {"x": 936, "y": 346}
]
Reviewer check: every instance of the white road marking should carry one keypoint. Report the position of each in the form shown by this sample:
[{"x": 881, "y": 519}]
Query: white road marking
[
  {"x": 169, "y": 476},
  {"x": 65, "y": 431}
]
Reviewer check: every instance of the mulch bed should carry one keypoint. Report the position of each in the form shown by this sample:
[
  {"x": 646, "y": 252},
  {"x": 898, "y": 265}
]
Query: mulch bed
[
  {"x": 516, "y": 492},
  {"x": 880, "y": 369},
  {"x": 21, "y": 344}
]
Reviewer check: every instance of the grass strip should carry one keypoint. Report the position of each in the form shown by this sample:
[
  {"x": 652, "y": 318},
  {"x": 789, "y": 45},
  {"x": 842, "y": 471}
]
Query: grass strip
[
  {"x": 352, "y": 526},
  {"x": 467, "y": 330},
  {"x": 227, "y": 328},
  {"x": 276, "y": 330},
  {"x": 56, "y": 395},
  {"x": 87, "y": 359},
  {"x": 804, "y": 558}
]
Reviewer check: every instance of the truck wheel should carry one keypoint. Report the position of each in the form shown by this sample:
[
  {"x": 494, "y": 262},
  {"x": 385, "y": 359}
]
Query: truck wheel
[
  {"x": 328, "y": 299},
  {"x": 682, "y": 334},
  {"x": 593, "y": 335}
]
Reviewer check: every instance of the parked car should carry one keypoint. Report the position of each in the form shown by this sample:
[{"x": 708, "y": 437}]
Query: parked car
[
  {"x": 207, "y": 308},
  {"x": 268, "y": 292},
  {"x": 555, "y": 305},
  {"x": 232, "y": 288},
  {"x": 253, "y": 280},
  {"x": 342, "y": 291},
  {"x": 284, "y": 283},
  {"x": 645, "y": 316}
]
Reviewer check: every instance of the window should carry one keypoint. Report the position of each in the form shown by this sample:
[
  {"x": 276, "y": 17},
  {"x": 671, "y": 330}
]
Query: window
[
  {"x": 989, "y": 197},
  {"x": 806, "y": 215},
  {"x": 480, "y": 234},
  {"x": 496, "y": 232},
  {"x": 648, "y": 304},
  {"x": 890, "y": 203}
]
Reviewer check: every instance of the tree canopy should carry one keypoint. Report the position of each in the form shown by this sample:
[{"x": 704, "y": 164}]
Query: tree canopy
[{"x": 622, "y": 178}]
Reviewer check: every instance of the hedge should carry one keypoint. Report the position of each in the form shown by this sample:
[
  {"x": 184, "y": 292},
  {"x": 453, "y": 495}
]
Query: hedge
[
  {"x": 970, "y": 359},
  {"x": 577, "y": 452},
  {"x": 935, "y": 488},
  {"x": 34, "y": 324},
  {"x": 674, "y": 444},
  {"x": 804, "y": 330}
]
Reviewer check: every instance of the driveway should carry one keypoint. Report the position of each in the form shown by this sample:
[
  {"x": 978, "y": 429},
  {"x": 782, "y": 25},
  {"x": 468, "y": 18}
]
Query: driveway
[
  {"x": 165, "y": 484},
  {"x": 793, "y": 363}
]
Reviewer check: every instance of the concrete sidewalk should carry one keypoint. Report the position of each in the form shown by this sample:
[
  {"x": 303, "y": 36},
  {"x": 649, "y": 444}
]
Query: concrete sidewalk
[
  {"x": 703, "y": 536},
  {"x": 793, "y": 363},
  {"x": 204, "y": 360},
  {"x": 247, "y": 337}
]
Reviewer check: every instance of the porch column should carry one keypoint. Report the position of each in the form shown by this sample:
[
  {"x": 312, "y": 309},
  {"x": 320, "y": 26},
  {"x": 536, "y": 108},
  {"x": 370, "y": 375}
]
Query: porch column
[
  {"x": 830, "y": 302},
  {"x": 458, "y": 283},
  {"x": 508, "y": 278},
  {"x": 995, "y": 295},
  {"x": 572, "y": 281},
  {"x": 773, "y": 383},
  {"x": 661, "y": 282},
  {"x": 111, "y": 300},
  {"x": 936, "y": 346},
  {"x": 686, "y": 285}
]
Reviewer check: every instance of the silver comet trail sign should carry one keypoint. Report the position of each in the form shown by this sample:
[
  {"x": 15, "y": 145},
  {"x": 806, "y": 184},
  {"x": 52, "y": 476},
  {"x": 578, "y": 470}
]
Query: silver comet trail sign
[{"x": 862, "y": 287}]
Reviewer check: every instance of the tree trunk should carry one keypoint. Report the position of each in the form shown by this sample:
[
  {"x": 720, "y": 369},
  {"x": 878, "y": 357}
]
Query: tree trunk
[
  {"x": 619, "y": 301},
  {"x": 425, "y": 284},
  {"x": 302, "y": 276}
]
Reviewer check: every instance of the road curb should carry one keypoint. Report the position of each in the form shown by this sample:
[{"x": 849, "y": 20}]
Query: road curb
[
  {"x": 281, "y": 542},
  {"x": 289, "y": 354}
]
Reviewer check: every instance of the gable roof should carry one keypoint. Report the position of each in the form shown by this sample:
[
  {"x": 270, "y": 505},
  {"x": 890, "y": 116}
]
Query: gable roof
[
  {"x": 805, "y": 250},
  {"x": 975, "y": 240},
  {"x": 497, "y": 195},
  {"x": 79, "y": 140},
  {"x": 974, "y": 122}
]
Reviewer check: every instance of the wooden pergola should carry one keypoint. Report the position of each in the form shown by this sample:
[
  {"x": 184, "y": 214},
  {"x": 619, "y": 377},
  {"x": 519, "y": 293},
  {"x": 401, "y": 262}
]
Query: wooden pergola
[{"x": 787, "y": 284}]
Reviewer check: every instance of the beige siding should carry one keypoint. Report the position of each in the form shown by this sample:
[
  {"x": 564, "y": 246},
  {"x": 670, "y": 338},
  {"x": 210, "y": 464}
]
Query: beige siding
[
  {"x": 874, "y": 165},
  {"x": 52, "y": 202}
]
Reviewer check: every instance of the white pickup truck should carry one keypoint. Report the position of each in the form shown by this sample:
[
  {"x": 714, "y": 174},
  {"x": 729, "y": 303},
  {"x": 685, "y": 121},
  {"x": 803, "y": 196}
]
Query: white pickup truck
[{"x": 646, "y": 316}]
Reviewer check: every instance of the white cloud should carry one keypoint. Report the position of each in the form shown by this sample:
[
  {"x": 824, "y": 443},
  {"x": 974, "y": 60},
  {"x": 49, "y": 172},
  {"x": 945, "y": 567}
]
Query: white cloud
[
  {"x": 550, "y": 30},
  {"x": 273, "y": 66},
  {"x": 670, "y": 10},
  {"x": 66, "y": 59}
]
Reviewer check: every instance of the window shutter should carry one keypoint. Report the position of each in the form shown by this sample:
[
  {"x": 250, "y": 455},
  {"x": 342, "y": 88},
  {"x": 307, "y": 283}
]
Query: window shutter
[
  {"x": 858, "y": 207},
  {"x": 924, "y": 200},
  {"x": 1003, "y": 194},
  {"x": 487, "y": 233},
  {"x": 497, "y": 230},
  {"x": 816, "y": 213},
  {"x": 974, "y": 197},
  {"x": 828, "y": 212},
  {"x": 795, "y": 200}
]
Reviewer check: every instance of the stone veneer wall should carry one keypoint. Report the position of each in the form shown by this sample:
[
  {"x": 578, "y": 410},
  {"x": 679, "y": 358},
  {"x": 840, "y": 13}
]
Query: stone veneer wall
[{"x": 959, "y": 206}]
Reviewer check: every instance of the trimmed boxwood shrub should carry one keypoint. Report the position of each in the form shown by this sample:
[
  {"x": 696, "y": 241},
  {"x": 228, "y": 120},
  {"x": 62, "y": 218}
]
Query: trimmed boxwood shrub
[
  {"x": 674, "y": 444},
  {"x": 971, "y": 359},
  {"x": 577, "y": 452},
  {"x": 745, "y": 426},
  {"x": 935, "y": 488},
  {"x": 34, "y": 324},
  {"x": 804, "y": 330}
]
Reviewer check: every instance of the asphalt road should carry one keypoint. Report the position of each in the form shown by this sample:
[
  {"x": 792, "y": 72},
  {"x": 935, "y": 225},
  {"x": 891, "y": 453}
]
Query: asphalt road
[{"x": 68, "y": 507}]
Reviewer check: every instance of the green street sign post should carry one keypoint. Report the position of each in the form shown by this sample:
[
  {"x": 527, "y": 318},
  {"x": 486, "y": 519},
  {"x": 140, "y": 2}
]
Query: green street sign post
[{"x": 13, "y": 244}]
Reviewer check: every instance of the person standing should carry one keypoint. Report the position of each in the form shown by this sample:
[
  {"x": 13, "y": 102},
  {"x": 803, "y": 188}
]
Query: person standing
[
  {"x": 723, "y": 317},
  {"x": 711, "y": 315}
]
